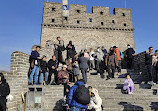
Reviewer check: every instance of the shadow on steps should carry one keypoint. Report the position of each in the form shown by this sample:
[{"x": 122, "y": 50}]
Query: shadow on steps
[
  {"x": 129, "y": 107},
  {"x": 102, "y": 76},
  {"x": 154, "y": 106}
]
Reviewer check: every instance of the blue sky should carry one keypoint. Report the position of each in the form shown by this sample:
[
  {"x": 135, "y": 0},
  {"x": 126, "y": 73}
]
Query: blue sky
[{"x": 20, "y": 23}]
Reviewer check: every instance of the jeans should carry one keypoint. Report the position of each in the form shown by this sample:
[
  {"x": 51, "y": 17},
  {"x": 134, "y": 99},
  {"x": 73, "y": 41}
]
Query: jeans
[
  {"x": 45, "y": 77},
  {"x": 91, "y": 64},
  {"x": 84, "y": 74},
  {"x": 111, "y": 71},
  {"x": 35, "y": 71},
  {"x": 77, "y": 109},
  {"x": 98, "y": 65},
  {"x": 119, "y": 66},
  {"x": 150, "y": 71}
]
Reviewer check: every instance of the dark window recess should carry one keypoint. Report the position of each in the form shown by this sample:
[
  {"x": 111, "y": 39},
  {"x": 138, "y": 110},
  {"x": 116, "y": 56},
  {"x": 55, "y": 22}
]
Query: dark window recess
[
  {"x": 65, "y": 18},
  {"x": 53, "y": 9},
  {"x": 78, "y": 11},
  {"x": 113, "y": 21},
  {"x": 53, "y": 20},
  {"x": 101, "y": 13},
  {"x": 102, "y": 23},
  {"x": 125, "y": 24},
  {"x": 78, "y": 22},
  {"x": 123, "y": 14},
  {"x": 90, "y": 20}
]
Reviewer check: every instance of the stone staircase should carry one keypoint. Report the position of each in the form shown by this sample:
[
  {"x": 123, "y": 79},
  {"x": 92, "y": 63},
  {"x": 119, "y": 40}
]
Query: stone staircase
[{"x": 114, "y": 99}]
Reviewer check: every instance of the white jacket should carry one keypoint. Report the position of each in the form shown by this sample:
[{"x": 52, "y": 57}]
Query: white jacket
[{"x": 96, "y": 103}]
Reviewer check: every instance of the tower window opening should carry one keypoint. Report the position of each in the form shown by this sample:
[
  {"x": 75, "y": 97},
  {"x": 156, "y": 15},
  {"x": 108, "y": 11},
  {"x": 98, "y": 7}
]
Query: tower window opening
[
  {"x": 53, "y": 20},
  {"x": 102, "y": 23},
  {"x": 78, "y": 11},
  {"x": 53, "y": 9}
]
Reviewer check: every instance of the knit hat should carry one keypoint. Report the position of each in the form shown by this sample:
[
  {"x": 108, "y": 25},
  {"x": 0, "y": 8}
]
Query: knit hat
[{"x": 65, "y": 66}]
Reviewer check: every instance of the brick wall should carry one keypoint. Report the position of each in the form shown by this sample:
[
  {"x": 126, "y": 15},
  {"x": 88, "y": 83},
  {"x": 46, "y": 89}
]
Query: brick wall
[
  {"x": 17, "y": 78},
  {"x": 101, "y": 31},
  {"x": 18, "y": 81},
  {"x": 139, "y": 66}
]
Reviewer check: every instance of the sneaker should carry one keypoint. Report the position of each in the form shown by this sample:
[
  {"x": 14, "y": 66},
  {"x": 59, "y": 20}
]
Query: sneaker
[
  {"x": 108, "y": 78},
  {"x": 53, "y": 83},
  {"x": 150, "y": 82},
  {"x": 153, "y": 83}
]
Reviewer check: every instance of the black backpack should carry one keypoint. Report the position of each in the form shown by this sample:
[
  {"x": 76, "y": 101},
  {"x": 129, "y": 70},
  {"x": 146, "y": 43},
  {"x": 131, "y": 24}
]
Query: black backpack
[{"x": 82, "y": 95}]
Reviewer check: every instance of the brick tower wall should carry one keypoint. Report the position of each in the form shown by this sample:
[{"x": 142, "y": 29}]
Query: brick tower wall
[{"x": 86, "y": 30}]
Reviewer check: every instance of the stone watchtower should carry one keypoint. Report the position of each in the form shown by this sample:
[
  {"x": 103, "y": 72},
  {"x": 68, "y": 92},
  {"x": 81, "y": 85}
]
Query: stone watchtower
[{"x": 87, "y": 30}]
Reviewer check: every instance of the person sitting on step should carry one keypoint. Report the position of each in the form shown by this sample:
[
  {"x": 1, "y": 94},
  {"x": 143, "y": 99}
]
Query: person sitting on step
[
  {"x": 63, "y": 76},
  {"x": 96, "y": 101},
  {"x": 128, "y": 85}
]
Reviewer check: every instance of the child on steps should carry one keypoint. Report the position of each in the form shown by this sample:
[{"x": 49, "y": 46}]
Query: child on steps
[{"x": 128, "y": 84}]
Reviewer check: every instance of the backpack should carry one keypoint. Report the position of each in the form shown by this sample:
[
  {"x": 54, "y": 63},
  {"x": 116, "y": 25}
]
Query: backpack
[
  {"x": 122, "y": 55},
  {"x": 82, "y": 95}
]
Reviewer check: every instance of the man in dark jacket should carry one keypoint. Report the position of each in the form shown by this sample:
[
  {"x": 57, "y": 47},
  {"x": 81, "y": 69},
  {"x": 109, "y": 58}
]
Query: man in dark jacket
[
  {"x": 73, "y": 104},
  {"x": 59, "y": 49},
  {"x": 4, "y": 92},
  {"x": 52, "y": 65},
  {"x": 35, "y": 56},
  {"x": 44, "y": 70},
  {"x": 83, "y": 64},
  {"x": 129, "y": 54},
  {"x": 148, "y": 62},
  {"x": 70, "y": 50}
]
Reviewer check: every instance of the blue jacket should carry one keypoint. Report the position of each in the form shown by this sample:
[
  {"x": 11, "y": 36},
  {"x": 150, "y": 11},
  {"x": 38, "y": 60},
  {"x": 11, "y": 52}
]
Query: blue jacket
[
  {"x": 34, "y": 55},
  {"x": 71, "y": 100},
  {"x": 122, "y": 55}
]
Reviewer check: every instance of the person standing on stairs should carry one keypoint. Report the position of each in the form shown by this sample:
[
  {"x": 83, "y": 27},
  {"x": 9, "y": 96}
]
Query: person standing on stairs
[
  {"x": 76, "y": 70},
  {"x": 4, "y": 92},
  {"x": 91, "y": 59},
  {"x": 117, "y": 52},
  {"x": 155, "y": 66},
  {"x": 44, "y": 70},
  {"x": 59, "y": 49},
  {"x": 105, "y": 54},
  {"x": 148, "y": 63},
  {"x": 129, "y": 54},
  {"x": 68, "y": 62},
  {"x": 128, "y": 84},
  {"x": 35, "y": 57},
  {"x": 111, "y": 62},
  {"x": 70, "y": 50},
  {"x": 52, "y": 65},
  {"x": 99, "y": 61},
  {"x": 83, "y": 64}
]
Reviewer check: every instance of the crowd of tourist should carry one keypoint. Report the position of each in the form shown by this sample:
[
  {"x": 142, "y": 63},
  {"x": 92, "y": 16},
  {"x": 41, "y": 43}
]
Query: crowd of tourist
[
  {"x": 80, "y": 98},
  {"x": 98, "y": 59},
  {"x": 151, "y": 61}
]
